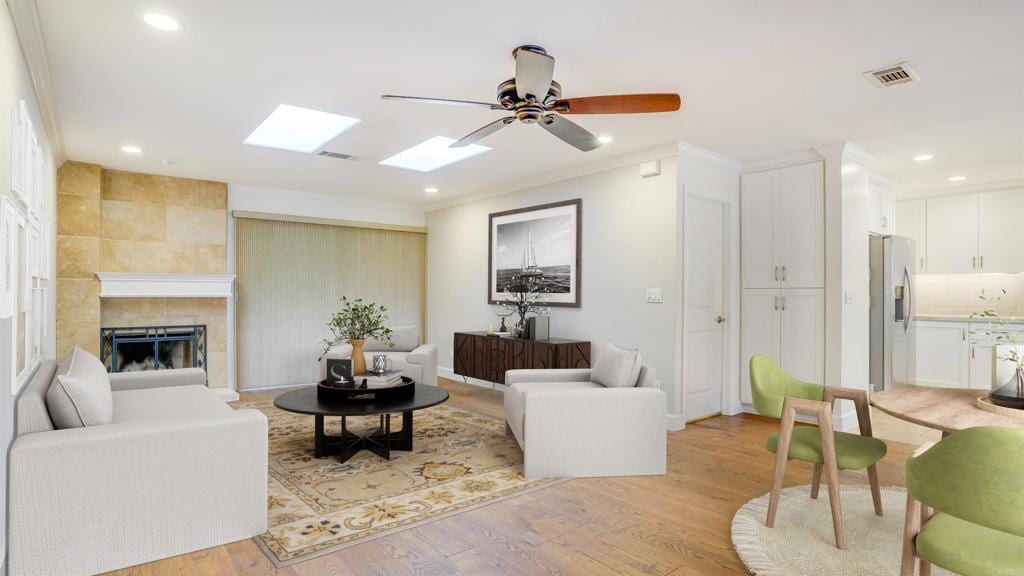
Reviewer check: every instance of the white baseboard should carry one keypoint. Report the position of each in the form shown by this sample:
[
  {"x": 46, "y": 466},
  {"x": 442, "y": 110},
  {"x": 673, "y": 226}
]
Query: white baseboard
[
  {"x": 450, "y": 374},
  {"x": 225, "y": 394},
  {"x": 674, "y": 422}
]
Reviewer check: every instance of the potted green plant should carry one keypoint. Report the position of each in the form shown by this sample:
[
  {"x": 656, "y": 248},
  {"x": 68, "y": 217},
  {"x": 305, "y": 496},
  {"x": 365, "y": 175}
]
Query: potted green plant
[
  {"x": 354, "y": 323},
  {"x": 1005, "y": 335}
]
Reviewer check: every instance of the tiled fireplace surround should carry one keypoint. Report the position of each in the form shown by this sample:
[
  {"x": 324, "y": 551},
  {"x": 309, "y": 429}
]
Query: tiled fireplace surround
[{"x": 114, "y": 221}]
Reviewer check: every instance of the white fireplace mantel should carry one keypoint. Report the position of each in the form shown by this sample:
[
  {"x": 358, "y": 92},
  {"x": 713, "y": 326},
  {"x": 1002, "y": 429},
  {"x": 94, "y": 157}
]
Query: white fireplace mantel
[{"x": 138, "y": 285}]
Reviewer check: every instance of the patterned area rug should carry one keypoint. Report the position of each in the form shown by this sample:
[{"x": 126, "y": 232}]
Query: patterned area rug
[
  {"x": 460, "y": 460},
  {"x": 802, "y": 543}
]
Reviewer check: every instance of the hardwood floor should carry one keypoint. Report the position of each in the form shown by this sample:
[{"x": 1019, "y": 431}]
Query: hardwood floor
[{"x": 677, "y": 524}]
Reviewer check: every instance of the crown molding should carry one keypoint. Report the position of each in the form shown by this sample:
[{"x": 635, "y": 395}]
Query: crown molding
[
  {"x": 25, "y": 16},
  {"x": 630, "y": 159},
  {"x": 782, "y": 160},
  {"x": 997, "y": 185},
  {"x": 699, "y": 154}
]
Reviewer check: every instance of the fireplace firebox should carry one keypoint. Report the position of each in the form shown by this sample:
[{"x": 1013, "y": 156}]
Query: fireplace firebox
[{"x": 134, "y": 348}]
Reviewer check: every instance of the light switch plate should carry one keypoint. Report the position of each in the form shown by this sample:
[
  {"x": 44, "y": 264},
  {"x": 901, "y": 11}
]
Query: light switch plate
[{"x": 654, "y": 296}]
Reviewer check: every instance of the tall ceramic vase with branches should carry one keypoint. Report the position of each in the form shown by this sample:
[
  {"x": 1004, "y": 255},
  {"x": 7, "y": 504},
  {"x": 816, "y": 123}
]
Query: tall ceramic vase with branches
[
  {"x": 522, "y": 298},
  {"x": 1007, "y": 336},
  {"x": 354, "y": 323}
]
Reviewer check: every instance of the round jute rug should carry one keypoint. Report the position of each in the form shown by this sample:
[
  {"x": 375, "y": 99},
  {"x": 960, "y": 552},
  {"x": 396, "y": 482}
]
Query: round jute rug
[{"x": 802, "y": 542}]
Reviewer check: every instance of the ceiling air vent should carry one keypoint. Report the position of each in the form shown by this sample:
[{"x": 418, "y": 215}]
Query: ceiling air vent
[
  {"x": 337, "y": 155},
  {"x": 891, "y": 75}
]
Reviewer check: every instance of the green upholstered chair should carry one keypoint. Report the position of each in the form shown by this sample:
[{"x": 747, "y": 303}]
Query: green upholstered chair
[
  {"x": 965, "y": 504},
  {"x": 778, "y": 395}
]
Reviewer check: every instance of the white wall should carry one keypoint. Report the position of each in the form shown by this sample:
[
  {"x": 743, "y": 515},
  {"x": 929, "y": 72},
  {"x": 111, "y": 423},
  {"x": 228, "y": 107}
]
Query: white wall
[
  {"x": 628, "y": 245},
  {"x": 311, "y": 204},
  {"x": 705, "y": 174},
  {"x": 16, "y": 85}
]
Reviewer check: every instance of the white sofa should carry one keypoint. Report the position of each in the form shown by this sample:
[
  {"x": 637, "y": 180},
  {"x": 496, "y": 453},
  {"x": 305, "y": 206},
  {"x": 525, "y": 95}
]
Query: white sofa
[
  {"x": 415, "y": 360},
  {"x": 570, "y": 426},
  {"x": 176, "y": 470}
]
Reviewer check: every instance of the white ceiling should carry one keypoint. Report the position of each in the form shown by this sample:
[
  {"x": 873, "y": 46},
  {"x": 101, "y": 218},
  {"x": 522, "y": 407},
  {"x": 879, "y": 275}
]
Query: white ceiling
[{"x": 757, "y": 80}]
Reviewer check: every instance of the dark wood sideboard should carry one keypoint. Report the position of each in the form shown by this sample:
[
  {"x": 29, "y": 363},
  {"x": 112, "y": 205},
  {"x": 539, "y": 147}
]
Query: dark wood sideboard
[{"x": 478, "y": 355}]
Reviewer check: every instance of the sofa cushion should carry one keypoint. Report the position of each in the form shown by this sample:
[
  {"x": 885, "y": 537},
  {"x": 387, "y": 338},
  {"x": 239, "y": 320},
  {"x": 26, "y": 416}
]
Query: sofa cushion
[
  {"x": 515, "y": 401},
  {"x": 172, "y": 403},
  {"x": 617, "y": 367},
  {"x": 406, "y": 339},
  {"x": 80, "y": 396}
]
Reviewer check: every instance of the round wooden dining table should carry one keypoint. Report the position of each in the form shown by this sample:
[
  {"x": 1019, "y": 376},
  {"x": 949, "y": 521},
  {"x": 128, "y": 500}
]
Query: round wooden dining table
[{"x": 947, "y": 409}]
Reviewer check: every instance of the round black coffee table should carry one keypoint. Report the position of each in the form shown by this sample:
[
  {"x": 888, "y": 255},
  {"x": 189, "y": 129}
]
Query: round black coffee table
[{"x": 382, "y": 441}]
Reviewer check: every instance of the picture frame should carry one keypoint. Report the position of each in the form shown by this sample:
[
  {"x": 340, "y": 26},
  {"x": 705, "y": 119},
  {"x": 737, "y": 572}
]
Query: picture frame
[
  {"x": 547, "y": 237},
  {"x": 20, "y": 128},
  {"x": 9, "y": 218},
  {"x": 338, "y": 370}
]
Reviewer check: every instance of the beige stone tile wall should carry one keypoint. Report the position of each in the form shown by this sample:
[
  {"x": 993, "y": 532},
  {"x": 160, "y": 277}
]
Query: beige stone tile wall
[
  {"x": 957, "y": 294},
  {"x": 116, "y": 221}
]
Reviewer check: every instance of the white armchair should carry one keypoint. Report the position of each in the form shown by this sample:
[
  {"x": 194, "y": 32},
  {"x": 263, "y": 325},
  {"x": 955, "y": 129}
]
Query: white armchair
[
  {"x": 412, "y": 359},
  {"x": 568, "y": 425}
]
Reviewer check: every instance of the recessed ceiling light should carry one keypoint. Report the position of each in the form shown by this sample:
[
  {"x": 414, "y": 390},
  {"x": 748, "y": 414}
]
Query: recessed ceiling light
[
  {"x": 604, "y": 139},
  {"x": 430, "y": 189},
  {"x": 432, "y": 154},
  {"x": 129, "y": 149},
  {"x": 957, "y": 178},
  {"x": 923, "y": 157},
  {"x": 166, "y": 162},
  {"x": 161, "y": 21},
  {"x": 299, "y": 129}
]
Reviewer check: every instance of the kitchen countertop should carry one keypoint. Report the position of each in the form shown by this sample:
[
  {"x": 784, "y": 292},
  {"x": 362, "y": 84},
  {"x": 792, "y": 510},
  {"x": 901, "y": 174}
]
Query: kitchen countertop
[{"x": 960, "y": 318}]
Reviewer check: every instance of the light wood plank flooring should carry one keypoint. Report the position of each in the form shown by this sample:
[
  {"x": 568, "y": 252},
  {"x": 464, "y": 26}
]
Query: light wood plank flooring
[{"x": 677, "y": 524}]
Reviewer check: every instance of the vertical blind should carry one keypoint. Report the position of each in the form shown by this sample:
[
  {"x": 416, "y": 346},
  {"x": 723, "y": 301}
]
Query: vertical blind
[{"x": 290, "y": 278}]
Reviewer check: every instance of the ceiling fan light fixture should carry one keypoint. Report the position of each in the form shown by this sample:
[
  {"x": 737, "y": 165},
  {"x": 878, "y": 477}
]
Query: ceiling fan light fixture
[
  {"x": 432, "y": 154},
  {"x": 605, "y": 139}
]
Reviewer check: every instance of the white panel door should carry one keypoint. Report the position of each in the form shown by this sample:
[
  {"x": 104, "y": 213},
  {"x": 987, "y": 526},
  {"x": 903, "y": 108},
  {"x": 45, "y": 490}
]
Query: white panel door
[
  {"x": 911, "y": 221},
  {"x": 803, "y": 333},
  {"x": 999, "y": 227},
  {"x": 800, "y": 216},
  {"x": 760, "y": 241},
  {"x": 953, "y": 234},
  {"x": 704, "y": 353},
  {"x": 760, "y": 332},
  {"x": 943, "y": 355}
]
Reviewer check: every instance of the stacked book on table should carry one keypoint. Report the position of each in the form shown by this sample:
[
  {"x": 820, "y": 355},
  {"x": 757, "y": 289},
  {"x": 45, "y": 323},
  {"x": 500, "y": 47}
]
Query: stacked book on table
[{"x": 380, "y": 380}]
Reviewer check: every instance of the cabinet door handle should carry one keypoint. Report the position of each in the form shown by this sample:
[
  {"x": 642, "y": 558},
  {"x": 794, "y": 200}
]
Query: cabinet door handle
[
  {"x": 963, "y": 334},
  {"x": 775, "y": 299},
  {"x": 783, "y": 303},
  {"x": 776, "y": 273},
  {"x": 783, "y": 276},
  {"x": 922, "y": 262},
  {"x": 974, "y": 262},
  {"x": 982, "y": 260}
]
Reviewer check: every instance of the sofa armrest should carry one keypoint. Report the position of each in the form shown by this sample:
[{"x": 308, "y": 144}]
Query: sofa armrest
[
  {"x": 157, "y": 379},
  {"x": 426, "y": 357},
  {"x": 94, "y": 499},
  {"x": 548, "y": 375},
  {"x": 594, "y": 432}
]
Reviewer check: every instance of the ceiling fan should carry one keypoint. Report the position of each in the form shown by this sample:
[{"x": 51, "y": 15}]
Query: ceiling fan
[{"x": 533, "y": 97}]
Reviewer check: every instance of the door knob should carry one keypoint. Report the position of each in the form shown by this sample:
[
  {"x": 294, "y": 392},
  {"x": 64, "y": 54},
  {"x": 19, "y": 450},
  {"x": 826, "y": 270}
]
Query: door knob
[{"x": 720, "y": 319}]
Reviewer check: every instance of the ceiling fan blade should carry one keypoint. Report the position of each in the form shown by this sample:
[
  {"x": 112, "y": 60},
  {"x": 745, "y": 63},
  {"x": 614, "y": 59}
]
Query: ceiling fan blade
[
  {"x": 534, "y": 72},
  {"x": 570, "y": 132},
  {"x": 481, "y": 133},
  {"x": 621, "y": 104},
  {"x": 442, "y": 101}
]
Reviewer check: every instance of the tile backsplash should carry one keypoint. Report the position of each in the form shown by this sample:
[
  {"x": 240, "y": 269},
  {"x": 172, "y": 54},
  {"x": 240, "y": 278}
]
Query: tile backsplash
[{"x": 957, "y": 294}]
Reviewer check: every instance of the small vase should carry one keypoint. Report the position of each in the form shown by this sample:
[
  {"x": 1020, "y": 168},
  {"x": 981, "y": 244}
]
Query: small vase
[
  {"x": 358, "y": 359},
  {"x": 1011, "y": 394}
]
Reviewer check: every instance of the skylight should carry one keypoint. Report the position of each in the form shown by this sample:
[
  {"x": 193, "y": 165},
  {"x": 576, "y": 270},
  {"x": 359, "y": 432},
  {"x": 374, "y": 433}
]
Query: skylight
[
  {"x": 432, "y": 154},
  {"x": 299, "y": 129}
]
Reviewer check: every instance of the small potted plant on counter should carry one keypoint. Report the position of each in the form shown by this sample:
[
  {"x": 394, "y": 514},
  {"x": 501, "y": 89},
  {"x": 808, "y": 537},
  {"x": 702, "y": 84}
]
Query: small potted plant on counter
[{"x": 1007, "y": 338}]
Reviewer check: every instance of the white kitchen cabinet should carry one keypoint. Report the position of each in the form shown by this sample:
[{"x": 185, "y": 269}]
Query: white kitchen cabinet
[
  {"x": 783, "y": 228},
  {"x": 943, "y": 354},
  {"x": 982, "y": 361},
  {"x": 882, "y": 209},
  {"x": 789, "y": 326},
  {"x": 911, "y": 222},
  {"x": 999, "y": 231},
  {"x": 952, "y": 237}
]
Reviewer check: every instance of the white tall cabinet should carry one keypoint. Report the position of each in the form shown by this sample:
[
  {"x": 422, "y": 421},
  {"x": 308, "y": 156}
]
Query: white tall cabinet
[
  {"x": 953, "y": 237},
  {"x": 783, "y": 265},
  {"x": 912, "y": 222},
  {"x": 999, "y": 227}
]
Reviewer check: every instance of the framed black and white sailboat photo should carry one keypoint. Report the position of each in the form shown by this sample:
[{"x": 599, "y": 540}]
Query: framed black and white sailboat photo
[{"x": 539, "y": 245}]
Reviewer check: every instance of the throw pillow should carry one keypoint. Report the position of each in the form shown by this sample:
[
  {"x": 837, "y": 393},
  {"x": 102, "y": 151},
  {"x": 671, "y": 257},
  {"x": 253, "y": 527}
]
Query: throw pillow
[
  {"x": 617, "y": 367},
  {"x": 80, "y": 396}
]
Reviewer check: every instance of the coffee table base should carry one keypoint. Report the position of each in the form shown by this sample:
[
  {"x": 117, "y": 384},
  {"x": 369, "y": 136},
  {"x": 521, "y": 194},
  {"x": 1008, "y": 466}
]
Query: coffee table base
[{"x": 381, "y": 442}]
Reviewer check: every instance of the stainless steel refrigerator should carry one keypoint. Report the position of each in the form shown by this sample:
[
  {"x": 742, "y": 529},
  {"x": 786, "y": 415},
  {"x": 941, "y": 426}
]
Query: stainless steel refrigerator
[{"x": 893, "y": 342}]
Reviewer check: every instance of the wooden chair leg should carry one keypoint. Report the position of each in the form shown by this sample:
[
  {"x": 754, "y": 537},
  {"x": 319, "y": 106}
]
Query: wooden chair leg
[
  {"x": 876, "y": 489},
  {"x": 832, "y": 480},
  {"x": 911, "y": 526},
  {"x": 816, "y": 481},
  {"x": 926, "y": 566},
  {"x": 777, "y": 478}
]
